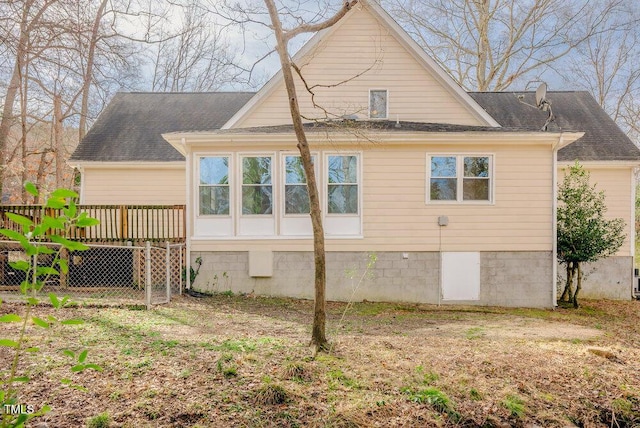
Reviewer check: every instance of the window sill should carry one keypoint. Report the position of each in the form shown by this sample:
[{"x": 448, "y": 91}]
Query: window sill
[{"x": 461, "y": 203}]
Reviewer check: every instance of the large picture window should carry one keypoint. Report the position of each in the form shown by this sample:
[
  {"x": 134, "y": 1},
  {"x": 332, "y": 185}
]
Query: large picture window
[
  {"x": 214, "y": 185},
  {"x": 342, "y": 186},
  {"x": 296, "y": 197},
  {"x": 459, "y": 178},
  {"x": 257, "y": 189}
]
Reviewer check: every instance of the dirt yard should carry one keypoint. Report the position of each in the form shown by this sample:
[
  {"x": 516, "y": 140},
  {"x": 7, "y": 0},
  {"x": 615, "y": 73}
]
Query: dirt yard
[{"x": 240, "y": 361}]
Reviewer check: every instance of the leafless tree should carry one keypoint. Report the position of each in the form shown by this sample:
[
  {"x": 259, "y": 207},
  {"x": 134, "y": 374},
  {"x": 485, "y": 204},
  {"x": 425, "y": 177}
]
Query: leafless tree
[
  {"x": 608, "y": 66},
  {"x": 491, "y": 44},
  {"x": 194, "y": 56},
  {"x": 283, "y": 37},
  {"x": 18, "y": 36}
]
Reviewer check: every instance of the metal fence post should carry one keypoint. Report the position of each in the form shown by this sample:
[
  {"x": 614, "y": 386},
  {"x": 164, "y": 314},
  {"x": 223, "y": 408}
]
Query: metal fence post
[
  {"x": 168, "y": 270},
  {"x": 147, "y": 269}
]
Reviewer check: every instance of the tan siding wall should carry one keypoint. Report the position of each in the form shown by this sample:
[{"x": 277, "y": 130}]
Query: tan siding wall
[
  {"x": 396, "y": 214},
  {"x": 362, "y": 48},
  {"x": 133, "y": 186},
  {"x": 616, "y": 183},
  {"x": 396, "y": 217}
]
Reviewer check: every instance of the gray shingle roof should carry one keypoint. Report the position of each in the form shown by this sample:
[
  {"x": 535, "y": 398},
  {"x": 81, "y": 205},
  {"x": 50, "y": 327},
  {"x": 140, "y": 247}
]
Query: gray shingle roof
[
  {"x": 130, "y": 128},
  {"x": 603, "y": 139}
]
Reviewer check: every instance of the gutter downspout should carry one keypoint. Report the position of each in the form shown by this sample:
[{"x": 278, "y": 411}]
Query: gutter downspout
[
  {"x": 632, "y": 226},
  {"x": 187, "y": 221},
  {"x": 554, "y": 214}
]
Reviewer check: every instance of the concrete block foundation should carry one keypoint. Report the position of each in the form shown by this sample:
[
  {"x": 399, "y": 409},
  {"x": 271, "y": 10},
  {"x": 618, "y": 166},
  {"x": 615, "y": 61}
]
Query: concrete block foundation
[
  {"x": 517, "y": 279},
  {"x": 610, "y": 278}
]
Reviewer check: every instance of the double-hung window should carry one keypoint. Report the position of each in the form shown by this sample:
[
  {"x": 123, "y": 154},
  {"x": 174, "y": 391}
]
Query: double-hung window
[
  {"x": 459, "y": 178},
  {"x": 296, "y": 197},
  {"x": 214, "y": 185},
  {"x": 257, "y": 188},
  {"x": 342, "y": 185}
]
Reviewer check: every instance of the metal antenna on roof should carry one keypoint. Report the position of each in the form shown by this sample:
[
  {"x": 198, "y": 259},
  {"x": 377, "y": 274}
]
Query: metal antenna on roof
[{"x": 541, "y": 104}]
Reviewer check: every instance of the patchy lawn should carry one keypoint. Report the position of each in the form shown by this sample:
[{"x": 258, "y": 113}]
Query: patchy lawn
[{"x": 242, "y": 361}]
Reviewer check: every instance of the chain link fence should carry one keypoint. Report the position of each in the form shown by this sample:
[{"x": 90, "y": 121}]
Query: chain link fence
[{"x": 115, "y": 274}]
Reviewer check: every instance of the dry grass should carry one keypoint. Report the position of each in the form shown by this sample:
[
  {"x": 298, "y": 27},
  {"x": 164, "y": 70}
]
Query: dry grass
[{"x": 239, "y": 361}]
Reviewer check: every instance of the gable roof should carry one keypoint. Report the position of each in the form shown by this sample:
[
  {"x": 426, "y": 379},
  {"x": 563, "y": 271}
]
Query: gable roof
[
  {"x": 131, "y": 127},
  {"x": 421, "y": 57},
  {"x": 573, "y": 110}
]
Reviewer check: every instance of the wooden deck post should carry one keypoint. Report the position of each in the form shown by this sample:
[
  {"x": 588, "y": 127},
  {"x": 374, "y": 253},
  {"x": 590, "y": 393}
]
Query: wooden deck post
[{"x": 123, "y": 233}]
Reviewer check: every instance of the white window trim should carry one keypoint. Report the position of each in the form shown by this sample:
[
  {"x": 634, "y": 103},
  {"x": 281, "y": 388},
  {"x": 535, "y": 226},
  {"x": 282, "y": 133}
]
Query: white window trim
[
  {"x": 369, "y": 104},
  {"x": 197, "y": 182},
  {"x": 341, "y": 226},
  {"x": 460, "y": 178}
]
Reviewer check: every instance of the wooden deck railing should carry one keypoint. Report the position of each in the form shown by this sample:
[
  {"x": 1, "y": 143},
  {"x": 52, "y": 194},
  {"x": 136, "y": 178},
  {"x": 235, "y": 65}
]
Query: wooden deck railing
[{"x": 117, "y": 222}]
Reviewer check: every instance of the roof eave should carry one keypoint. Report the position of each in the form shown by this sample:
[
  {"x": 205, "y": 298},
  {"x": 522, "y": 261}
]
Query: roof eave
[
  {"x": 613, "y": 163},
  {"x": 177, "y": 141},
  {"x": 182, "y": 141},
  {"x": 83, "y": 164}
]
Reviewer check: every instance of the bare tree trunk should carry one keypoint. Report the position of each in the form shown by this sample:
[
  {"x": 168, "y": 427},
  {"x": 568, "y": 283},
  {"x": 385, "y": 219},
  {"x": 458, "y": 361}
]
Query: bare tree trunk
[
  {"x": 40, "y": 175},
  {"x": 8, "y": 118},
  {"x": 88, "y": 73},
  {"x": 318, "y": 335},
  {"x": 7, "y": 121},
  {"x": 484, "y": 47},
  {"x": 568, "y": 288},
  {"x": 23, "y": 132},
  {"x": 58, "y": 143},
  {"x": 578, "y": 286}
]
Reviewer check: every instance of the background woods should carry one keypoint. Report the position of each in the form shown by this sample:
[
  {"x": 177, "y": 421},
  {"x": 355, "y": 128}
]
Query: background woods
[{"x": 62, "y": 60}]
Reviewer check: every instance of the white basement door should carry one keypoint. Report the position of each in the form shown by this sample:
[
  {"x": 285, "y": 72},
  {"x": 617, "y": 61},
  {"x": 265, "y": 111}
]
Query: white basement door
[{"x": 460, "y": 276}]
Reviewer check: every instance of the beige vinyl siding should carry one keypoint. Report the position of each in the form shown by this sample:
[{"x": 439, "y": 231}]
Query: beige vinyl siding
[
  {"x": 616, "y": 184},
  {"x": 133, "y": 186},
  {"x": 363, "y": 55},
  {"x": 396, "y": 213},
  {"x": 396, "y": 216}
]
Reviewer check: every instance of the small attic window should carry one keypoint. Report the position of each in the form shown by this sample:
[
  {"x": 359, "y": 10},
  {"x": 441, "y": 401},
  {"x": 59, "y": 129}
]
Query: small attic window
[{"x": 378, "y": 103}]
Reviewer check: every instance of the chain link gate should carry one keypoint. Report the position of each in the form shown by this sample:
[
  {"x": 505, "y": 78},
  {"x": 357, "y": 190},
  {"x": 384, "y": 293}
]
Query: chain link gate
[{"x": 120, "y": 274}]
